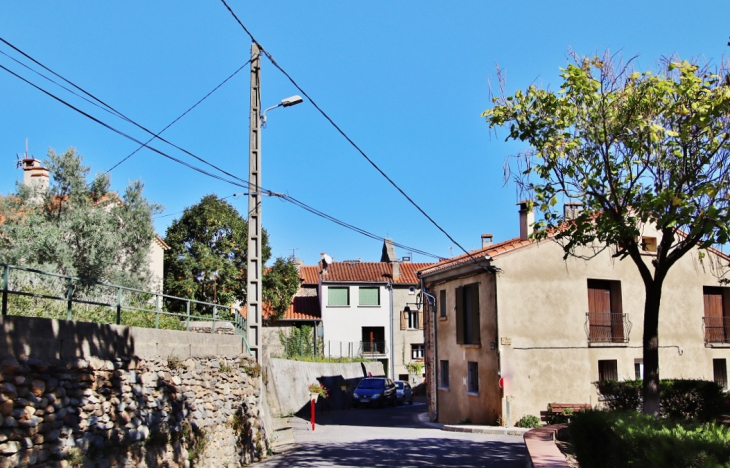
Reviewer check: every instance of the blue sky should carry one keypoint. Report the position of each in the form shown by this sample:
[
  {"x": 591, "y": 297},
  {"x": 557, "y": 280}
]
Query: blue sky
[{"x": 407, "y": 81}]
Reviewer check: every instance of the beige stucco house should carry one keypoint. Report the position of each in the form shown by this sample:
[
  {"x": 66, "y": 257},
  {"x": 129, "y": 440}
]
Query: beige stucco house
[{"x": 515, "y": 327}]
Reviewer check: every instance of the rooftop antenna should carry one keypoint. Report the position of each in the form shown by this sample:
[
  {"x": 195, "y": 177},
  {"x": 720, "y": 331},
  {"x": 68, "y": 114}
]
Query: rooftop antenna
[{"x": 293, "y": 252}]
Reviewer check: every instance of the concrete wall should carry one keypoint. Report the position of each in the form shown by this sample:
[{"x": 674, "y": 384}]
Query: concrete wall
[
  {"x": 287, "y": 382},
  {"x": 40, "y": 338}
]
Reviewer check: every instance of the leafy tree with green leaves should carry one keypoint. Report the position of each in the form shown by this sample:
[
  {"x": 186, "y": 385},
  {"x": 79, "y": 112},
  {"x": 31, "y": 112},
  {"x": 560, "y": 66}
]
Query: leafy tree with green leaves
[
  {"x": 208, "y": 258},
  {"x": 636, "y": 149},
  {"x": 78, "y": 228},
  {"x": 281, "y": 282}
]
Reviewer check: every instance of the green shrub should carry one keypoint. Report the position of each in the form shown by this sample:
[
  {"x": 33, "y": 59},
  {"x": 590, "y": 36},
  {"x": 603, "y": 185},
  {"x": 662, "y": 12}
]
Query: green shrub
[
  {"x": 528, "y": 421},
  {"x": 688, "y": 399},
  {"x": 612, "y": 438}
]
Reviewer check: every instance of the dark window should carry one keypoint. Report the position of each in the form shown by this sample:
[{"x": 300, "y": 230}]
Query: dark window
[
  {"x": 467, "y": 314},
  {"x": 442, "y": 303},
  {"x": 373, "y": 340},
  {"x": 605, "y": 319},
  {"x": 472, "y": 377},
  {"x": 719, "y": 370},
  {"x": 444, "y": 374},
  {"x": 638, "y": 369},
  {"x": 403, "y": 377},
  {"x": 417, "y": 351},
  {"x": 608, "y": 370}
]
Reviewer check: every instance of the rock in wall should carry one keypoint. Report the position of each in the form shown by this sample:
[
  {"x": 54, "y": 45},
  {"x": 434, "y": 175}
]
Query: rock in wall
[{"x": 131, "y": 412}]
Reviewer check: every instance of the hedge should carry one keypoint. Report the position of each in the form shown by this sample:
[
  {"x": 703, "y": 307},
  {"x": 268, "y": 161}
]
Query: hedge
[
  {"x": 699, "y": 400},
  {"x": 608, "y": 439}
]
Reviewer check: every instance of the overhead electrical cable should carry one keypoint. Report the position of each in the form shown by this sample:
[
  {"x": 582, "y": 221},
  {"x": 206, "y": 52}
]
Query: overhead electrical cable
[
  {"x": 342, "y": 132},
  {"x": 120, "y": 114},
  {"x": 247, "y": 185}
]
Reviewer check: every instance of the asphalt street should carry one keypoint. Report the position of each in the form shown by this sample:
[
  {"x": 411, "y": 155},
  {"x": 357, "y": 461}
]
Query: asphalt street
[{"x": 392, "y": 437}]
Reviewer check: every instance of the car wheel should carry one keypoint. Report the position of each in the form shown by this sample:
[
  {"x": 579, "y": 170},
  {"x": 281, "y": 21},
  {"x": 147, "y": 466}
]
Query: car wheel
[{"x": 410, "y": 402}]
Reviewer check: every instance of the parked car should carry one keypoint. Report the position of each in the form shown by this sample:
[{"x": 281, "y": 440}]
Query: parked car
[
  {"x": 373, "y": 391},
  {"x": 404, "y": 393}
]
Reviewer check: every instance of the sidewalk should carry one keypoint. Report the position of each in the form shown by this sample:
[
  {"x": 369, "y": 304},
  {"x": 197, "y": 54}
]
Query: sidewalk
[{"x": 473, "y": 428}]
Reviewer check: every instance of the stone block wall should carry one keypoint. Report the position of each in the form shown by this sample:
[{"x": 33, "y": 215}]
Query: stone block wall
[{"x": 129, "y": 412}]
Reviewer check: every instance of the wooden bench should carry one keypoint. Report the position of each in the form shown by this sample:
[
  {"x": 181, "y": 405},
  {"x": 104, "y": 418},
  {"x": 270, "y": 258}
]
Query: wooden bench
[{"x": 560, "y": 409}]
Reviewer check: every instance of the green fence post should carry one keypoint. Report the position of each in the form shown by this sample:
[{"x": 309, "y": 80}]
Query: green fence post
[
  {"x": 187, "y": 311},
  {"x": 119, "y": 306},
  {"x": 215, "y": 312},
  {"x": 69, "y": 314},
  {"x": 157, "y": 311},
  {"x": 6, "y": 276}
]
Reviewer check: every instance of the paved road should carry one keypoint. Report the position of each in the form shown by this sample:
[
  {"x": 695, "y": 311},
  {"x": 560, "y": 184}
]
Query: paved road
[{"x": 393, "y": 438}]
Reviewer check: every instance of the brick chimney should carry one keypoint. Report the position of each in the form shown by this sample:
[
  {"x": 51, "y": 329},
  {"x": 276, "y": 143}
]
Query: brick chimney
[
  {"x": 487, "y": 240},
  {"x": 527, "y": 219}
]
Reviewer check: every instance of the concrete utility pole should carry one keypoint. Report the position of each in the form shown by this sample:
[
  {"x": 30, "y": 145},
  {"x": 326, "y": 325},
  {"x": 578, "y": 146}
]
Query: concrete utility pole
[{"x": 254, "y": 299}]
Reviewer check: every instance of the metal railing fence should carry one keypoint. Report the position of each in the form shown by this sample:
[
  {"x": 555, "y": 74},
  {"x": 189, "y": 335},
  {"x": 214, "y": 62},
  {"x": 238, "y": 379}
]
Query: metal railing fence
[
  {"x": 602, "y": 327},
  {"x": 38, "y": 284}
]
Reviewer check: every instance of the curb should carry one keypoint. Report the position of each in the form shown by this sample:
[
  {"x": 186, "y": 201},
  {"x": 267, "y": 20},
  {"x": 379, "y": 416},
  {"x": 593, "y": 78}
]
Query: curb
[{"x": 493, "y": 430}]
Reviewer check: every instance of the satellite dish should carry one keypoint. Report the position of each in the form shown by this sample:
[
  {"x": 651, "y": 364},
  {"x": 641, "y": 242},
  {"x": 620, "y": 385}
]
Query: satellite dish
[{"x": 327, "y": 259}]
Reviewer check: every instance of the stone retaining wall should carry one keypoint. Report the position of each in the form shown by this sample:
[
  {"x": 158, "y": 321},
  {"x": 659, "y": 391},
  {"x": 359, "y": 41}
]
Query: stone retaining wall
[{"x": 200, "y": 411}]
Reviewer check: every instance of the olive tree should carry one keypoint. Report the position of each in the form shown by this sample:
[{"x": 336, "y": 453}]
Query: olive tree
[{"x": 636, "y": 149}]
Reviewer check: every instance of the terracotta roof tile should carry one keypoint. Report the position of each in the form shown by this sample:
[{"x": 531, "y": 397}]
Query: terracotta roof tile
[
  {"x": 309, "y": 274},
  {"x": 301, "y": 308},
  {"x": 408, "y": 272},
  {"x": 494, "y": 251},
  {"x": 356, "y": 272}
]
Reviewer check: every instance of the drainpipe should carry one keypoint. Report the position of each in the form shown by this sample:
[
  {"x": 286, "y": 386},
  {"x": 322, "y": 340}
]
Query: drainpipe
[{"x": 392, "y": 344}]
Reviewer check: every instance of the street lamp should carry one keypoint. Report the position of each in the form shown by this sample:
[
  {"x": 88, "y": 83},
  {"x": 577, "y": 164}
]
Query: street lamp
[
  {"x": 254, "y": 283},
  {"x": 287, "y": 102}
]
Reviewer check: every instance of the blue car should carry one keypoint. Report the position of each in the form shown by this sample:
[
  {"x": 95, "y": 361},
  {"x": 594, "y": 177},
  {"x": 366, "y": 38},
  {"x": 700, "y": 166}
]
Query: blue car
[
  {"x": 373, "y": 391},
  {"x": 404, "y": 393}
]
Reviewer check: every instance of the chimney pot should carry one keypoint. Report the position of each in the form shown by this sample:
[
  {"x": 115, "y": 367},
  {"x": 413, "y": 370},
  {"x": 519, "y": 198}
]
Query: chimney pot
[
  {"x": 527, "y": 219},
  {"x": 572, "y": 210},
  {"x": 487, "y": 240}
]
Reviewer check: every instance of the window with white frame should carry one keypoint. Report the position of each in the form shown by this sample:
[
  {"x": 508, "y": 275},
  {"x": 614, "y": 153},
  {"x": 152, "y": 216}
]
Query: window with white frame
[
  {"x": 417, "y": 351},
  {"x": 639, "y": 369}
]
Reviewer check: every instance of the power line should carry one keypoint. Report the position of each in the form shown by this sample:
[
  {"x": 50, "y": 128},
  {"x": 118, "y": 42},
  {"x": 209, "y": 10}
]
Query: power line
[
  {"x": 181, "y": 115},
  {"x": 119, "y": 114},
  {"x": 248, "y": 185},
  {"x": 342, "y": 132}
]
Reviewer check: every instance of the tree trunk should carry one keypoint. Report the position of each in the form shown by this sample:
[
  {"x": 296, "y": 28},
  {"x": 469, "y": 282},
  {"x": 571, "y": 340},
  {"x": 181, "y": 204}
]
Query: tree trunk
[{"x": 651, "y": 348}]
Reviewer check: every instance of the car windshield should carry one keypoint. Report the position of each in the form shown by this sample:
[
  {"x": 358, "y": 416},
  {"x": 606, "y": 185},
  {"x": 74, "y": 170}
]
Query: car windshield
[
  {"x": 372, "y": 383},
  {"x": 399, "y": 385}
]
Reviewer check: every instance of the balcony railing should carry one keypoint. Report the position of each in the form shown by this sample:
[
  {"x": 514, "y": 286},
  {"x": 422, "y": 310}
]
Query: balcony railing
[
  {"x": 717, "y": 329},
  {"x": 602, "y": 327},
  {"x": 373, "y": 347}
]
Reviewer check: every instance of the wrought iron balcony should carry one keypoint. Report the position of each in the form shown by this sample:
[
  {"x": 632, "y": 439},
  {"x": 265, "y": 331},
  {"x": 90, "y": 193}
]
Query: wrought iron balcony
[
  {"x": 373, "y": 348},
  {"x": 602, "y": 327},
  {"x": 717, "y": 329}
]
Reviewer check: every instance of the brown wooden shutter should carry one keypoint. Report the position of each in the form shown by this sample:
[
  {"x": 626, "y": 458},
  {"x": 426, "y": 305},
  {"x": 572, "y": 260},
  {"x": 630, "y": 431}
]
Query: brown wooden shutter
[
  {"x": 599, "y": 311},
  {"x": 459, "y": 315},
  {"x": 714, "y": 323},
  {"x": 403, "y": 320},
  {"x": 420, "y": 320},
  {"x": 475, "y": 329}
]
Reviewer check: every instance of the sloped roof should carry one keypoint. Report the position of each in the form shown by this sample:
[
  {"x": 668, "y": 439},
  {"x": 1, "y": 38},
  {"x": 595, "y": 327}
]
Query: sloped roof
[
  {"x": 408, "y": 272},
  {"x": 309, "y": 274},
  {"x": 356, "y": 272},
  {"x": 301, "y": 308},
  {"x": 494, "y": 251}
]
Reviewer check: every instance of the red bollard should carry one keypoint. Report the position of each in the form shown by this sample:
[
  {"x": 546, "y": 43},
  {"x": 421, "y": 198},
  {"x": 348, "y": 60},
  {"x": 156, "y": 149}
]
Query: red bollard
[{"x": 311, "y": 406}]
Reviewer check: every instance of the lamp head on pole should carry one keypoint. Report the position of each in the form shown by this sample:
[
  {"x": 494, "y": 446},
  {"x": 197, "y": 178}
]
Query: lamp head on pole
[{"x": 292, "y": 101}]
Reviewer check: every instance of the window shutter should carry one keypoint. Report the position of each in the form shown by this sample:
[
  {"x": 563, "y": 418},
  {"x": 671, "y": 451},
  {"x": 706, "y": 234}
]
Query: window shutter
[
  {"x": 475, "y": 330},
  {"x": 420, "y": 320},
  {"x": 460, "y": 315},
  {"x": 403, "y": 320},
  {"x": 442, "y": 303}
]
